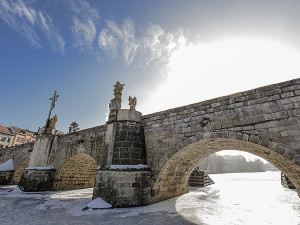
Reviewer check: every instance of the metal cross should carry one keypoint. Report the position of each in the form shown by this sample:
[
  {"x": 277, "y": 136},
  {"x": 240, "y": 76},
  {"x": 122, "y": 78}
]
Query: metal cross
[{"x": 54, "y": 99}]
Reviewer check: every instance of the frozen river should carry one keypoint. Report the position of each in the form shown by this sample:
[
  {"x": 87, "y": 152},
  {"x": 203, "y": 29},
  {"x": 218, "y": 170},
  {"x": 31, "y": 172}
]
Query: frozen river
[{"x": 241, "y": 198}]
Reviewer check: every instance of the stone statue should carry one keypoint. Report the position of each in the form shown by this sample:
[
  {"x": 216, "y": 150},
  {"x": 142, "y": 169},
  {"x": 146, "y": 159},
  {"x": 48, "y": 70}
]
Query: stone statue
[
  {"x": 118, "y": 90},
  {"x": 132, "y": 102},
  {"x": 53, "y": 101},
  {"x": 52, "y": 123}
]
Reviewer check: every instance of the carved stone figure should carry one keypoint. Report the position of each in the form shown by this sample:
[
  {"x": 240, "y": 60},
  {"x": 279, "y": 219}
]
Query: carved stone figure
[
  {"x": 52, "y": 123},
  {"x": 53, "y": 101},
  {"x": 132, "y": 102},
  {"x": 118, "y": 90}
]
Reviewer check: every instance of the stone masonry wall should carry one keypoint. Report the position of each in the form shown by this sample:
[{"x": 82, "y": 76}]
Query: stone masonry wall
[
  {"x": 123, "y": 188},
  {"x": 89, "y": 141},
  {"x": 129, "y": 147},
  {"x": 19, "y": 153},
  {"x": 78, "y": 172},
  {"x": 267, "y": 115},
  {"x": 37, "y": 180},
  {"x": 263, "y": 121}
]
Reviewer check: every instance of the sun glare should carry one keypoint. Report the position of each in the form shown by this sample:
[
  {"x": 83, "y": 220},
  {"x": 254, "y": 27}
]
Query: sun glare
[{"x": 202, "y": 71}]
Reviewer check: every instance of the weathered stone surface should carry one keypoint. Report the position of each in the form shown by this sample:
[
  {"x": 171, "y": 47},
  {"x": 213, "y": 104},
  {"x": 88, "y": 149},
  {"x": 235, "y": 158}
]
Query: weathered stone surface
[
  {"x": 129, "y": 146},
  {"x": 34, "y": 180},
  {"x": 77, "y": 172},
  {"x": 6, "y": 177},
  {"x": 123, "y": 188},
  {"x": 264, "y": 117},
  {"x": 199, "y": 178}
]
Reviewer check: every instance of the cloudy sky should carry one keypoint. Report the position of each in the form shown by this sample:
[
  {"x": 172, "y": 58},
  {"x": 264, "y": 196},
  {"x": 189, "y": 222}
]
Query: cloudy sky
[{"x": 168, "y": 53}]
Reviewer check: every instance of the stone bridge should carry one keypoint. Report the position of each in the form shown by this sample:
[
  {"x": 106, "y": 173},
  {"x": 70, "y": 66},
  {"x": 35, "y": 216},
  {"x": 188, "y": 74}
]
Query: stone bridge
[{"x": 146, "y": 159}]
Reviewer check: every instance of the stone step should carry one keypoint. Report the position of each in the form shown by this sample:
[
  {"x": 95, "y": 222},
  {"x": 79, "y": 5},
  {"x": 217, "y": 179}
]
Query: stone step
[{"x": 199, "y": 178}]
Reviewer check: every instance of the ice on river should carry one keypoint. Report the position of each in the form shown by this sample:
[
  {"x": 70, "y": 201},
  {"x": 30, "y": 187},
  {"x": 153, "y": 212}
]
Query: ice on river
[{"x": 248, "y": 198}]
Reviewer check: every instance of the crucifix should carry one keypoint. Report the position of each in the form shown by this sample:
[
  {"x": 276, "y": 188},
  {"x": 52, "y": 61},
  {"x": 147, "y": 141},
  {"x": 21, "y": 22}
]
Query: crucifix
[{"x": 54, "y": 99}]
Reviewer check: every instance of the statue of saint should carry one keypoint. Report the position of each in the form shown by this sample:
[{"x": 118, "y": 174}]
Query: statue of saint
[
  {"x": 52, "y": 123},
  {"x": 118, "y": 90},
  {"x": 132, "y": 102}
]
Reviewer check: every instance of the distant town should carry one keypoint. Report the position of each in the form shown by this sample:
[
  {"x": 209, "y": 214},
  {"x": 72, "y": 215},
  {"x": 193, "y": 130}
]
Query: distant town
[{"x": 12, "y": 135}]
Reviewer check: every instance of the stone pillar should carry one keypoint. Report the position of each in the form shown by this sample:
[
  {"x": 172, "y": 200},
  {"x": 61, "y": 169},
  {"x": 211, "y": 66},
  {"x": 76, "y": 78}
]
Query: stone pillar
[
  {"x": 123, "y": 178},
  {"x": 39, "y": 176}
]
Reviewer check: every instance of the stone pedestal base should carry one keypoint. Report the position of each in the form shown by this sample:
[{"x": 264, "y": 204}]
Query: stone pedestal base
[
  {"x": 123, "y": 188},
  {"x": 34, "y": 180},
  {"x": 6, "y": 177}
]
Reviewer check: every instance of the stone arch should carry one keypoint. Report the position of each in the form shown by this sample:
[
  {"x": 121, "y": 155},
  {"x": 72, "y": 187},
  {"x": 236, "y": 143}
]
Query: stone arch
[
  {"x": 79, "y": 171},
  {"x": 19, "y": 171},
  {"x": 172, "y": 179}
]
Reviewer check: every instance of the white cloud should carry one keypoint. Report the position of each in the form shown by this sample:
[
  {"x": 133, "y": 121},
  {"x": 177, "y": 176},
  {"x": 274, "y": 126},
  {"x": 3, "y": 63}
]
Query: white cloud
[
  {"x": 107, "y": 42},
  {"x": 83, "y": 27},
  {"x": 21, "y": 16},
  {"x": 85, "y": 33},
  {"x": 156, "y": 45}
]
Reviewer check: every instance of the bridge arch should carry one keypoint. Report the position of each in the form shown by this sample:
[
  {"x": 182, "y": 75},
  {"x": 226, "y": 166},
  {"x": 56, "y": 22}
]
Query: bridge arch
[
  {"x": 176, "y": 166},
  {"x": 77, "y": 172}
]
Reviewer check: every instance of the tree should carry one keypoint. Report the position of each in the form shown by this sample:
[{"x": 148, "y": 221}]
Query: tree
[{"x": 73, "y": 127}]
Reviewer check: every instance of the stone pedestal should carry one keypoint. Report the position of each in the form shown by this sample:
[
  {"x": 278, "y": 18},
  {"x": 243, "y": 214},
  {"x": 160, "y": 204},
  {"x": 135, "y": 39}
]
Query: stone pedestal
[
  {"x": 39, "y": 176},
  {"x": 37, "y": 179},
  {"x": 41, "y": 150},
  {"x": 123, "y": 188},
  {"x": 125, "y": 149}
]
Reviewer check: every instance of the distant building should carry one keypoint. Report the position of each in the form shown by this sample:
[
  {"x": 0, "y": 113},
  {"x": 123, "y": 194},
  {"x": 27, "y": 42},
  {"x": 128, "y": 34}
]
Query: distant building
[
  {"x": 6, "y": 137},
  {"x": 22, "y": 136}
]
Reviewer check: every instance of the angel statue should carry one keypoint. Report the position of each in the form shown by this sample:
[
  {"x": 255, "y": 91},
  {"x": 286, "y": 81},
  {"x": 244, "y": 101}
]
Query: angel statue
[
  {"x": 132, "y": 102},
  {"x": 118, "y": 90}
]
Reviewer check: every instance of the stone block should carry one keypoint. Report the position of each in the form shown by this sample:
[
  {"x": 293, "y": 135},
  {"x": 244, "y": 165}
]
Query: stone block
[{"x": 34, "y": 180}]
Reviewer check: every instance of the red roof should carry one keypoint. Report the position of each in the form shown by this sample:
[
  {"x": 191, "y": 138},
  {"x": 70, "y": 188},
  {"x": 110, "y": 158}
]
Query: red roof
[{"x": 5, "y": 130}]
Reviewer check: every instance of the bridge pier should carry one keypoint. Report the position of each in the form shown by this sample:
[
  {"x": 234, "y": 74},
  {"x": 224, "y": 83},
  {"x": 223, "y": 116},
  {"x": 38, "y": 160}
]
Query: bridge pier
[
  {"x": 123, "y": 177},
  {"x": 39, "y": 176}
]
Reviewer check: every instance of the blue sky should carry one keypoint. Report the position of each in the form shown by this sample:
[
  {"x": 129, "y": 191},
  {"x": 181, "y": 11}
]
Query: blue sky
[{"x": 162, "y": 50}]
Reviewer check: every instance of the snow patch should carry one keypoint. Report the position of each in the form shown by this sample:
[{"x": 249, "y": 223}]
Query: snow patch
[
  {"x": 41, "y": 168},
  {"x": 125, "y": 167},
  {"x": 7, "y": 166},
  {"x": 97, "y": 203},
  {"x": 17, "y": 190}
]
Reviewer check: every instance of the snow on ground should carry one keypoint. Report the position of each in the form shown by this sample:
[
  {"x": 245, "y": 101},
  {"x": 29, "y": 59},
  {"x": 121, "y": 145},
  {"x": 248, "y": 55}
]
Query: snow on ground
[
  {"x": 97, "y": 203},
  {"x": 256, "y": 198},
  {"x": 7, "y": 166}
]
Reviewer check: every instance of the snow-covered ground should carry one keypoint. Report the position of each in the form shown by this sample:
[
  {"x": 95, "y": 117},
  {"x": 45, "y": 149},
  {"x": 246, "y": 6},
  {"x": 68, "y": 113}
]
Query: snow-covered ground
[{"x": 254, "y": 198}]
